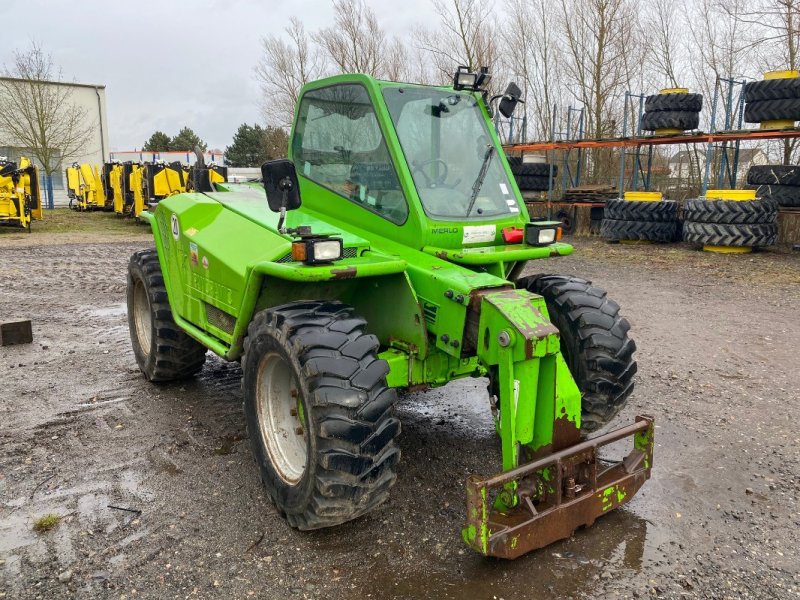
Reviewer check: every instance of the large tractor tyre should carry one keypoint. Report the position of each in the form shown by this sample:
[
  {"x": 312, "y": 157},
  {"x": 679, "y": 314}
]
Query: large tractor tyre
[
  {"x": 772, "y": 110},
  {"x": 670, "y": 119},
  {"x": 513, "y": 161},
  {"x": 319, "y": 414},
  {"x": 729, "y": 234},
  {"x": 614, "y": 229},
  {"x": 534, "y": 169},
  {"x": 772, "y": 89},
  {"x": 594, "y": 343},
  {"x": 674, "y": 102},
  {"x": 720, "y": 211},
  {"x": 774, "y": 175},
  {"x": 531, "y": 183},
  {"x": 163, "y": 351},
  {"x": 783, "y": 195},
  {"x": 627, "y": 210}
]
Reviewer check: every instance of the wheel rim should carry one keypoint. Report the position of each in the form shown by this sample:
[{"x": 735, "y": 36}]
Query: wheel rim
[
  {"x": 280, "y": 417},
  {"x": 141, "y": 316}
]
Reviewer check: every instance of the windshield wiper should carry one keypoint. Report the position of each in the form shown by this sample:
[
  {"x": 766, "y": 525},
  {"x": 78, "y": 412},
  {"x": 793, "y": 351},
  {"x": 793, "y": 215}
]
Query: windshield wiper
[{"x": 476, "y": 187}]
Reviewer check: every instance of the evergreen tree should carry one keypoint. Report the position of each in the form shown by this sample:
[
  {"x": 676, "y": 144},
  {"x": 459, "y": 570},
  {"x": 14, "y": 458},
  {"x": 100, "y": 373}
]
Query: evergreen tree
[
  {"x": 187, "y": 140},
  {"x": 158, "y": 142},
  {"x": 247, "y": 148}
]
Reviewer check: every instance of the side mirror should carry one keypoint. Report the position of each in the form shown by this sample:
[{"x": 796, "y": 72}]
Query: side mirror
[
  {"x": 510, "y": 99},
  {"x": 280, "y": 183}
]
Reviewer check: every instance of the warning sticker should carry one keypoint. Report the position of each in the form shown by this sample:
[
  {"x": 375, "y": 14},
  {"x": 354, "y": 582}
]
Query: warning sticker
[
  {"x": 479, "y": 233},
  {"x": 193, "y": 253},
  {"x": 504, "y": 189}
]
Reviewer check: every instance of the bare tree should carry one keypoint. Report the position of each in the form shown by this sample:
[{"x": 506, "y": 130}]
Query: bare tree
[
  {"x": 284, "y": 68},
  {"x": 599, "y": 35},
  {"x": 38, "y": 112},
  {"x": 534, "y": 58},
  {"x": 777, "y": 42},
  {"x": 663, "y": 25},
  {"x": 355, "y": 42},
  {"x": 467, "y": 35}
]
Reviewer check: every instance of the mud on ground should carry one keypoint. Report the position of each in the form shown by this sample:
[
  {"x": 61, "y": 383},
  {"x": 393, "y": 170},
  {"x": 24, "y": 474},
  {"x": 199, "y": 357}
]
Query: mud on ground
[{"x": 160, "y": 498}]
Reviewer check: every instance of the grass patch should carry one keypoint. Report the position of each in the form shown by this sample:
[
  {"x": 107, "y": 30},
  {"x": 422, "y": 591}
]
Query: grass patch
[
  {"x": 64, "y": 220},
  {"x": 47, "y": 522}
]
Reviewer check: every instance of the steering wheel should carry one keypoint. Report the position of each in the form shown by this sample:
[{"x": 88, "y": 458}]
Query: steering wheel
[{"x": 431, "y": 182}]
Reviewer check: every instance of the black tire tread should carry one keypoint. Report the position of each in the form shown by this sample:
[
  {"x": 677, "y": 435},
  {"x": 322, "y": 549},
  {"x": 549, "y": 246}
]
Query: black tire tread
[
  {"x": 670, "y": 119},
  {"x": 352, "y": 409},
  {"x": 674, "y": 102},
  {"x": 603, "y": 347},
  {"x": 774, "y": 175},
  {"x": 532, "y": 183},
  {"x": 700, "y": 210},
  {"x": 772, "y": 89},
  {"x": 177, "y": 355},
  {"x": 728, "y": 234},
  {"x": 772, "y": 110},
  {"x": 534, "y": 169},
  {"x": 783, "y": 195},
  {"x": 627, "y": 210},
  {"x": 616, "y": 229}
]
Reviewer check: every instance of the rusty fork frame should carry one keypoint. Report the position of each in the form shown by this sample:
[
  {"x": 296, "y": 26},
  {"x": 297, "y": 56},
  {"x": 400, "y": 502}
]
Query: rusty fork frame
[{"x": 557, "y": 493}]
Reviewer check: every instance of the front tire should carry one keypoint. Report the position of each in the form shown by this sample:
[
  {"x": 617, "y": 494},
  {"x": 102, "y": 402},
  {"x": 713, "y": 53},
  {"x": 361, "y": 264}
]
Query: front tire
[
  {"x": 164, "y": 352},
  {"x": 594, "y": 343},
  {"x": 319, "y": 414}
]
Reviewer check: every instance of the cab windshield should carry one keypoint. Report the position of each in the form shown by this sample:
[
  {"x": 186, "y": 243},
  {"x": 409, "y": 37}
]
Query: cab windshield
[{"x": 454, "y": 164}]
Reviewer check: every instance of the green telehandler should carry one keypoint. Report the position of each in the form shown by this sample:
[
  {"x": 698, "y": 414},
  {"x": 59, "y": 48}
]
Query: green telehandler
[{"x": 400, "y": 270}]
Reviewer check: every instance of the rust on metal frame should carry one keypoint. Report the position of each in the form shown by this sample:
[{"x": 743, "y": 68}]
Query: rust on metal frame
[
  {"x": 692, "y": 138},
  {"x": 581, "y": 489}
]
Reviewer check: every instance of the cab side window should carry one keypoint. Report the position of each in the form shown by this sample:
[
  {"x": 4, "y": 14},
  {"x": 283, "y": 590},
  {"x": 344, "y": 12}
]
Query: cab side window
[{"x": 339, "y": 145}]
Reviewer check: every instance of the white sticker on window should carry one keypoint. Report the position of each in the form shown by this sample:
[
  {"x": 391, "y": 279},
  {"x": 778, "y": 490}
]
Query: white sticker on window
[
  {"x": 513, "y": 209},
  {"x": 479, "y": 233},
  {"x": 504, "y": 189},
  {"x": 511, "y": 202}
]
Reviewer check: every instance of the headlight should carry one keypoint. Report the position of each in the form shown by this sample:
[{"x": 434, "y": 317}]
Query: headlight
[
  {"x": 542, "y": 233},
  {"x": 312, "y": 251}
]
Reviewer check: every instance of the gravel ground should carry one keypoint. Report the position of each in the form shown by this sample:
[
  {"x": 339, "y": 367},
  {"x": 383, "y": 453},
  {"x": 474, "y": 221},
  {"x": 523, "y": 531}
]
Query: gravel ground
[{"x": 160, "y": 498}]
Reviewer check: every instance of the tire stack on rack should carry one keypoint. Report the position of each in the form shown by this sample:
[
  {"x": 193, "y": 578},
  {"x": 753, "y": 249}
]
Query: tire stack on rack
[
  {"x": 531, "y": 176},
  {"x": 672, "y": 111},
  {"x": 773, "y": 102},
  {"x": 730, "y": 221},
  {"x": 640, "y": 216},
  {"x": 778, "y": 183}
]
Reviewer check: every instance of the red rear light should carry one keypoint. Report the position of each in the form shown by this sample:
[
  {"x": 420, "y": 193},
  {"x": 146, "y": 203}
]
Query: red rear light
[{"x": 513, "y": 235}]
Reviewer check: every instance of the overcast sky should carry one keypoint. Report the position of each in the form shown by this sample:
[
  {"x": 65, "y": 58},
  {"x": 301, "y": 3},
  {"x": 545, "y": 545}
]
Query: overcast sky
[{"x": 175, "y": 62}]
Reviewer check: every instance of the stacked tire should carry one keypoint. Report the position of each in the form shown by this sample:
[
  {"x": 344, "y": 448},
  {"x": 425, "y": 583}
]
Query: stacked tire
[
  {"x": 631, "y": 220},
  {"x": 531, "y": 177},
  {"x": 744, "y": 224},
  {"x": 778, "y": 183},
  {"x": 772, "y": 100},
  {"x": 672, "y": 111}
]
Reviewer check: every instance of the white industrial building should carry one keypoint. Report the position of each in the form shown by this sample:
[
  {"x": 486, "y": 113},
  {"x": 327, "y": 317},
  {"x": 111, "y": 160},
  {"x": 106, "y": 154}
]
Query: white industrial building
[{"x": 92, "y": 99}]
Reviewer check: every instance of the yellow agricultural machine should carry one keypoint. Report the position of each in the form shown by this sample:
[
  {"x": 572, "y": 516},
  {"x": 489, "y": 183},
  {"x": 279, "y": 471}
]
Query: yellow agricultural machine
[
  {"x": 85, "y": 187},
  {"x": 165, "y": 179},
  {"x": 20, "y": 197}
]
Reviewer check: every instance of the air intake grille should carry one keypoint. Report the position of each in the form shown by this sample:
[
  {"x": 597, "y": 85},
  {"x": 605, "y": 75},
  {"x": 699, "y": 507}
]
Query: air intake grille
[
  {"x": 346, "y": 253},
  {"x": 219, "y": 319}
]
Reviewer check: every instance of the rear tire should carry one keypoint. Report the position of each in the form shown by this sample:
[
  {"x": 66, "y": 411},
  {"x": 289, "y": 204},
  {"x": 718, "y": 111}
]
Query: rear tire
[
  {"x": 594, "y": 342},
  {"x": 337, "y": 402},
  {"x": 774, "y": 175},
  {"x": 670, "y": 119},
  {"x": 628, "y": 210},
  {"x": 651, "y": 231},
  {"x": 164, "y": 352},
  {"x": 757, "y": 235},
  {"x": 721, "y": 211}
]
